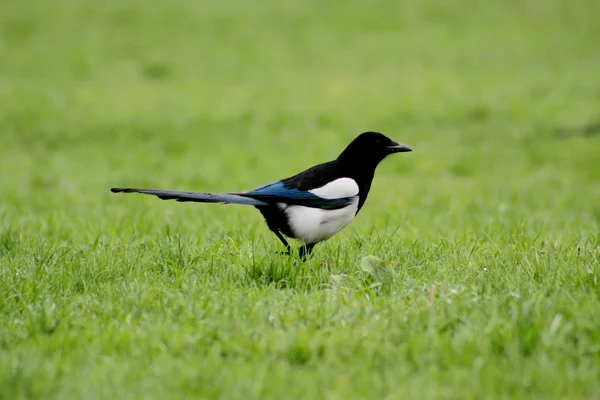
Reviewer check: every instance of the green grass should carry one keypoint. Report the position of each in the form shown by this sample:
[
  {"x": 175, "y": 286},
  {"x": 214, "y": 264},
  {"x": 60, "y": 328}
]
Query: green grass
[{"x": 486, "y": 277}]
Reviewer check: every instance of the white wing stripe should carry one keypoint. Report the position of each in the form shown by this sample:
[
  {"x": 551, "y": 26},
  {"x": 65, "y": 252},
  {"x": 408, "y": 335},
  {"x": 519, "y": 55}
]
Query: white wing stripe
[{"x": 338, "y": 189}]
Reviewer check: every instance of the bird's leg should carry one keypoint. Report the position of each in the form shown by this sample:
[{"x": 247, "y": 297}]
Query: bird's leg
[
  {"x": 305, "y": 250},
  {"x": 285, "y": 243}
]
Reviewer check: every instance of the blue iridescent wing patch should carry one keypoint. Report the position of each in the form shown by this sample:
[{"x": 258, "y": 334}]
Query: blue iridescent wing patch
[{"x": 278, "y": 192}]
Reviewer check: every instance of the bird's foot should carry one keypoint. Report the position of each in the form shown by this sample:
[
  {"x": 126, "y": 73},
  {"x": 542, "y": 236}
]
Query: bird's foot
[
  {"x": 305, "y": 251},
  {"x": 287, "y": 252}
]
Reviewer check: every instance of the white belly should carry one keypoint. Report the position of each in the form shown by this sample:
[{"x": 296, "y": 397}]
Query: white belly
[{"x": 313, "y": 225}]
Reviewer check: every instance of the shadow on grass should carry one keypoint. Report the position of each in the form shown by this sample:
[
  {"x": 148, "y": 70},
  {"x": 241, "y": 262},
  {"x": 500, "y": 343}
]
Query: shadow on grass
[
  {"x": 368, "y": 273},
  {"x": 9, "y": 242},
  {"x": 283, "y": 272}
]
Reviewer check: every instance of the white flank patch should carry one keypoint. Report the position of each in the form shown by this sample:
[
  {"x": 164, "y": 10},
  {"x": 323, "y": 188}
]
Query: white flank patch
[
  {"x": 312, "y": 225},
  {"x": 338, "y": 189}
]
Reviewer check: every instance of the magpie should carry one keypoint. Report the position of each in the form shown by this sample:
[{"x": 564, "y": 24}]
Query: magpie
[{"x": 313, "y": 205}]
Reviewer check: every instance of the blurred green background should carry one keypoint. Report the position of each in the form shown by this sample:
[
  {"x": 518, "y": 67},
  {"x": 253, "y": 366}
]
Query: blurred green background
[{"x": 128, "y": 297}]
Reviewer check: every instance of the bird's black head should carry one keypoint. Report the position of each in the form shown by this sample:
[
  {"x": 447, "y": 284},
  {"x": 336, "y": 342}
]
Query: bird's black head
[{"x": 369, "y": 148}]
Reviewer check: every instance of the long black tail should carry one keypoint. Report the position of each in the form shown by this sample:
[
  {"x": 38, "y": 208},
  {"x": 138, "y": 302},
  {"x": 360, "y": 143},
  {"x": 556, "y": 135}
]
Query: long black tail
[{"x": 223, "y": 198}]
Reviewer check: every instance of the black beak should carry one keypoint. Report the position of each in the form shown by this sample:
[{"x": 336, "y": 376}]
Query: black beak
[{"x": 398, "y": 148}]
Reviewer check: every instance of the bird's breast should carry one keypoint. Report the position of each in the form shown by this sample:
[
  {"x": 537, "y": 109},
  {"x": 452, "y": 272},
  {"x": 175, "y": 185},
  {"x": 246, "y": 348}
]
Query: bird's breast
[{"x": 312, "y": 225}]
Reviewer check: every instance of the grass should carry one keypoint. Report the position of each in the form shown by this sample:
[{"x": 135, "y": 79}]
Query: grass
[{"x": 472, "y": 271}]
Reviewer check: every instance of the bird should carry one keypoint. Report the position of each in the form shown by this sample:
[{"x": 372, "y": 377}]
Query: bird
[{"x": 312, "y": 205}]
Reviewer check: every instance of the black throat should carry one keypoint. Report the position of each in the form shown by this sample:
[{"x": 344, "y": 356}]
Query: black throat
[{"x": 362, "y": 170}]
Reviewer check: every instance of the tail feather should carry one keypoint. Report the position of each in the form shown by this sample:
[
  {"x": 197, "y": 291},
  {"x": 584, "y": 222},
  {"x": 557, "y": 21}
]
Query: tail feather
[{"x": 223, "y": 198}]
